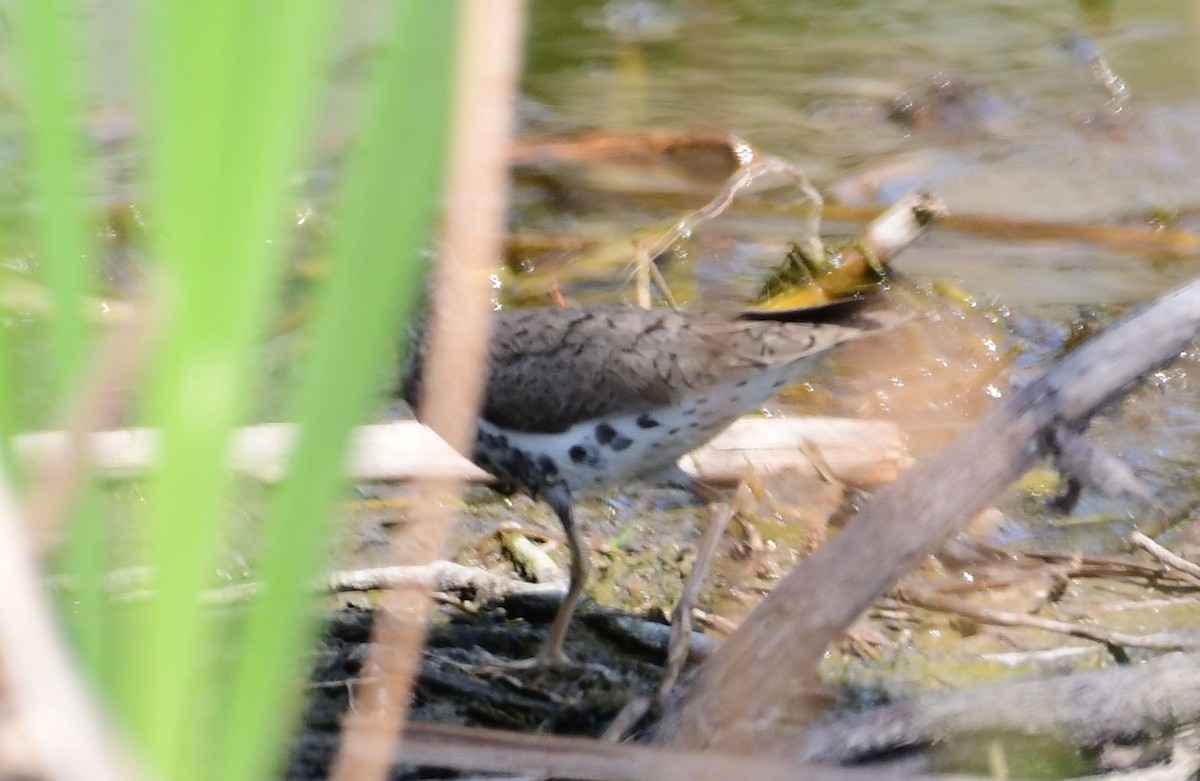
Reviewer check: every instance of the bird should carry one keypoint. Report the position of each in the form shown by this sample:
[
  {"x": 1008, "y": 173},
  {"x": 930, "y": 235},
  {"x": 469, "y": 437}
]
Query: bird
[{"x": 584, "y": 398}]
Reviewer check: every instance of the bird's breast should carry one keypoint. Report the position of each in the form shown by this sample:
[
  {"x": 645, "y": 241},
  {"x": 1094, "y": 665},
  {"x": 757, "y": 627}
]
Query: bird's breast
[{"x": 618, "y": 448}]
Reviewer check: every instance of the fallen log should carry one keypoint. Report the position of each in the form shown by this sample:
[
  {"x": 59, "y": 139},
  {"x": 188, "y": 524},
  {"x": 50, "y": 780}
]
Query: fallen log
[
  {"x": 1084, "y": 709},
  {"x": 861, "y": 453}
]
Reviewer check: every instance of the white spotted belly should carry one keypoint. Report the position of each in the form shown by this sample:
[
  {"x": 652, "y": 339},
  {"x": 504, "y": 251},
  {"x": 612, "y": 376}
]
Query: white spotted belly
[{"x": 629, "y": 447}]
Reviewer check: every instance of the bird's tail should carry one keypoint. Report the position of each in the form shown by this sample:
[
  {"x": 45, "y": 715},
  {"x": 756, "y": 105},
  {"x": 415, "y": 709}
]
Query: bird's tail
[{"x": 858, "y": 312}]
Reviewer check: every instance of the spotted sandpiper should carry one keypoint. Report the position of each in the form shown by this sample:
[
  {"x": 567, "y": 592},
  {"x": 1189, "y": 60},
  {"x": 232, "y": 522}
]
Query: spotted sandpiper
[{"x": 576, "y": 399}]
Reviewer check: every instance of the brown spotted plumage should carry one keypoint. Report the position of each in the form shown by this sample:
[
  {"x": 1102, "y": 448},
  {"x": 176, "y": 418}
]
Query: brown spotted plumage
[{"x": 581, "y": 398}]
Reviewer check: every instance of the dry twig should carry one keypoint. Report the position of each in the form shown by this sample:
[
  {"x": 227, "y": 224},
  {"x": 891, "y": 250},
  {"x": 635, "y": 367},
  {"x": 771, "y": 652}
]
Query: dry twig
[
  {"x": 488, "y": 57},
  {"x": 99, "y": 405},
  {"x": 1162, "y": 641},
  {"x": 1173, "y": 560}
]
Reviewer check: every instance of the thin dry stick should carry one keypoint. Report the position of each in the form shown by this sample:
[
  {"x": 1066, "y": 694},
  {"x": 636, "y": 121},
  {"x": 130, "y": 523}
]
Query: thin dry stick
[
  {"x": 753, "y": 166},
  {"x": 1165, "y": 556},
  {"x": 661, "y": 281},
  {"x": 57, "y": 482},
  {"x": 1077, "y": 566},
  {"x": 39, "y": 673},
  {"x": 1160, "y": 641},
  {"x": 441, "y": 577},
  {"x": 488, "y": 59},
  {"x": 743, "y": 177}
]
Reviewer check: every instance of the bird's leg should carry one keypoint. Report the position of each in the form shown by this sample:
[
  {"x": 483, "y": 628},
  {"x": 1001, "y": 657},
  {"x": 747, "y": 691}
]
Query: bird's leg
[
  {"x": 559, "y": 498},
  {"x": 721, "y": 510},
  {"x": 680, "y": 644},
  {"x": 674, "y": 475}
]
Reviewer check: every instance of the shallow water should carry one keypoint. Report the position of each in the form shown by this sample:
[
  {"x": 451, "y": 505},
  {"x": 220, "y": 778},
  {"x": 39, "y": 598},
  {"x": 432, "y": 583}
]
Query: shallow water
[
  {"x": 812, "y": 82},
  {"x": 1030, "y": 133}
]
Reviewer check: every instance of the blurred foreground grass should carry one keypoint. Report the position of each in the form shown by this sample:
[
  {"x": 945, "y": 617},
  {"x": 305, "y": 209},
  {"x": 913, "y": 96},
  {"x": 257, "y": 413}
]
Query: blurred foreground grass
[{"x": 230, "y": 91}]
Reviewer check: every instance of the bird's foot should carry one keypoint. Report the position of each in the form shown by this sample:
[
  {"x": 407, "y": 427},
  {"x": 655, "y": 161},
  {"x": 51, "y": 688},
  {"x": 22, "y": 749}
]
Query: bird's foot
[{"x": 545, "y": 659}]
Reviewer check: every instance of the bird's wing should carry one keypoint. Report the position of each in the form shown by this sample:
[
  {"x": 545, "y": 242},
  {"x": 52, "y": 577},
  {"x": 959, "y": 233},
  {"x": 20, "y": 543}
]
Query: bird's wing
[{"x": 551, "y": 368}]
